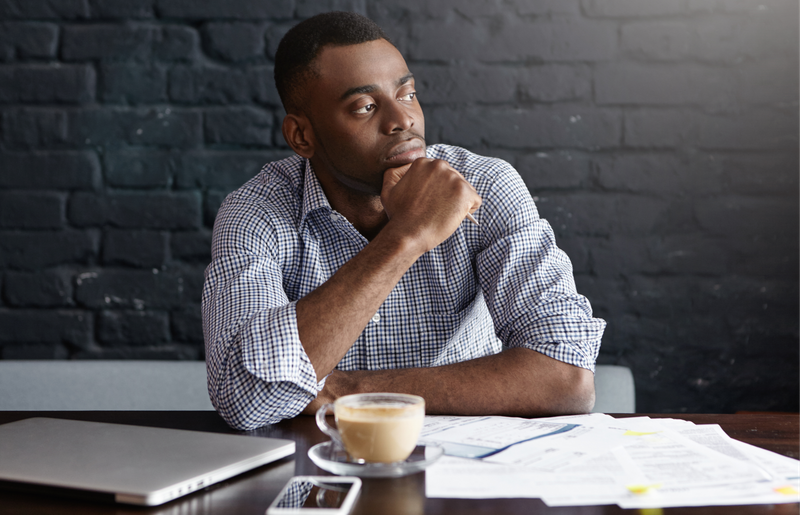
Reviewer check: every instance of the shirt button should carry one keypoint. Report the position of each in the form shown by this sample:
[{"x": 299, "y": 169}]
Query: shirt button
[{"x": 376, "y": 318}]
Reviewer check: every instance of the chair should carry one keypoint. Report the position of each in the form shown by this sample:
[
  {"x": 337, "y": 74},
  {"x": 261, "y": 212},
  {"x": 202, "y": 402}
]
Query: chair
[
  {"x": 615, "y": 390},
  {"x": 90, "y": 385},
  {"x": 132, "y": 385}
]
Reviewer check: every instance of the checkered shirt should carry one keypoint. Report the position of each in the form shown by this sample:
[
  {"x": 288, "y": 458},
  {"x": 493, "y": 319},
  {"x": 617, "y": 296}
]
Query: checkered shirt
[{"x": 276, "y": 239}]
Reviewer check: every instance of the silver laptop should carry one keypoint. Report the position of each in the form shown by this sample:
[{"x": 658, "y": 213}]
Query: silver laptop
[{"x": 123, "y": 463}]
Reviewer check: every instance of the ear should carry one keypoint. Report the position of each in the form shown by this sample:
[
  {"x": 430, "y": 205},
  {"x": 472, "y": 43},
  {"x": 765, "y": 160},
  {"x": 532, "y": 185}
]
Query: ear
[{"x": 299, "y": 134}]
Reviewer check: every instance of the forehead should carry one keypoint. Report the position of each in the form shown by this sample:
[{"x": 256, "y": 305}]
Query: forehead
[{"x": 375, "y": 63}]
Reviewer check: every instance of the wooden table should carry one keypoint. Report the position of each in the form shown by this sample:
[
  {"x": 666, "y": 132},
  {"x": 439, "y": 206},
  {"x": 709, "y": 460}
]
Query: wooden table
[{"x": 251, "y": 493}]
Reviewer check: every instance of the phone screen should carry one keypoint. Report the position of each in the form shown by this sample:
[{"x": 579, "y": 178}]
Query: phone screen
[{"x": 313, "y": 493}]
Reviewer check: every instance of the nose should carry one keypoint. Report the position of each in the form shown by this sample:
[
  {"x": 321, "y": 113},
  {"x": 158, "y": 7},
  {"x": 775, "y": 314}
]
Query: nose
[{"x": 398, "y": 117}]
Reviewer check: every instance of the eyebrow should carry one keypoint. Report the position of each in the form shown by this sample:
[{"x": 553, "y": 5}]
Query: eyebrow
[{"x": 369, "y": 88}]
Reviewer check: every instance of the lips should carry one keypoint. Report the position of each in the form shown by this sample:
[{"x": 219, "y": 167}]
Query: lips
[{"x": 406, "y": 152}]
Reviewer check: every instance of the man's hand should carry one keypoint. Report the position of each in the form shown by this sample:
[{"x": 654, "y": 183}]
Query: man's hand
[{"x": 427, "y": 201}]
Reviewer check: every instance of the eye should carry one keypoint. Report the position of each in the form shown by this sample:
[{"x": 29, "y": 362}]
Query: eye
[
  {"x": 364, "y": 110},
  {"x": 408, "y": 97}
]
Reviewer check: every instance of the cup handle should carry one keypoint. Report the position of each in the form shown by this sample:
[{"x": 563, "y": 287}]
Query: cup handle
[{"x": 327, "y": 428}]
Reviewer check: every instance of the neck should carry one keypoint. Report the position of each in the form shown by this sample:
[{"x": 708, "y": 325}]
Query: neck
[{"x": 363, "y": 210}]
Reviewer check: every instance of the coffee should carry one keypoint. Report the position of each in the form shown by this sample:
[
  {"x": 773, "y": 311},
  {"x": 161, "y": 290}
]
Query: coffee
[
  {"x": 376, "y": 427},
  {"x": 376, "y": 433}
]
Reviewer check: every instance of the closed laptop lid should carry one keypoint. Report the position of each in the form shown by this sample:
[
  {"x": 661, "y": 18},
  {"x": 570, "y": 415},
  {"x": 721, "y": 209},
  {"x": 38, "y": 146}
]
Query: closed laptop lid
[{"x": 124, "y": 463}]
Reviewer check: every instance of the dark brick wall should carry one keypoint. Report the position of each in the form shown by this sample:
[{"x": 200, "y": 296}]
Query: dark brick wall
[{"x": 659, "y": 137}]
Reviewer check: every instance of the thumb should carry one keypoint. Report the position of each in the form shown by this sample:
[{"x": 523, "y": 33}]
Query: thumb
[{"x": 390, "y": 179}]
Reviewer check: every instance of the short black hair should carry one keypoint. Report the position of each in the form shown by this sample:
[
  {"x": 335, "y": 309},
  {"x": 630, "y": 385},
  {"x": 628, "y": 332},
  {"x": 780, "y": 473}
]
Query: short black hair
[{"x": 301, "y": 45}]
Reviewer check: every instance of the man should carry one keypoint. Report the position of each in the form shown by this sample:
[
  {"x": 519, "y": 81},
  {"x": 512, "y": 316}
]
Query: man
[{"x": 350, "y": 267}]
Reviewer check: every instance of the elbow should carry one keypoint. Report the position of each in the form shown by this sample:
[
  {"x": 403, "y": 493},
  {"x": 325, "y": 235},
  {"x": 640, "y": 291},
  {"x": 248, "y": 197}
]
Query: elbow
[{"x": 578, "y": 395}]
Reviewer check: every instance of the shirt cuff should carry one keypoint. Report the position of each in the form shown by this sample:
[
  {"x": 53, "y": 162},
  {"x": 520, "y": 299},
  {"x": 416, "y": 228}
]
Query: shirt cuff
[{"x": 273, "y": 352}]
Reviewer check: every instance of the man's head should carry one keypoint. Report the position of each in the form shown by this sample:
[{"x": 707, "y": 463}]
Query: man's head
[
  {"x": 294, "y": 59},
  {"x": 351, "y": 107}
]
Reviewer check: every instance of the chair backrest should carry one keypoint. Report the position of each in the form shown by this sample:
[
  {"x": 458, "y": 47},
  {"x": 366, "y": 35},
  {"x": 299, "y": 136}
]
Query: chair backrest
[
  {"x": 127, "y": 385},
  {"x": 615, "y": 390},
  {"x": 132, "y": 385}
]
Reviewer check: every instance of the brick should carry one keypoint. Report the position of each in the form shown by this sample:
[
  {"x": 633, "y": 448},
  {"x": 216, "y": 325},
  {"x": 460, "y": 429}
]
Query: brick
[
  {"x": 751, "y": 129},
  {"x": 543, "y": 7},
  {"x": 187, "y": 324},
  {"x": 555, "y": 83},
  {"x": 621, "y": 255},
  {"x": 213, "y": 201},
  {"x": 191, "y": 246},
  {"x": 139, "y": 168},
  {"x": 544, "y": 171},
  {"x": 43, "y": 288},
  {"x": 191, "y": 278},
  {"x": 47, "y": 84},
  {"x": 35, "y": 210},
  {"x": 437, "y": 84},
  {"x": 652, "y": 173},
  {"x": 166, "y": 127},
  {"x": 742, "y": 216},
  {"x": 631, "y": 8},
  {"x": 143, "y": 126},
  {"x": 775, "y": 257},
  {"x": 139, "y": 290},
  {"x": 153, "y": 210},
  {"x": 768, "y": 81},
  {"x": 262, "y": 85},
  {"x": 41, "y": 249},
  {"x": 63, "y": 170},
  {"x": 57, "y": 9},
  {"x": 126, "y": 328},
  {"x": 34, "y": 351},
  {"x": 34, "y": 128},
  {"x": 663, "y": 84},
  {"x": 132, "y": 84},
  {"x": 142, "y": 249},
  {"x": 741, "y": 6},
  {"x": 761, "y": 174},
  {"x": 113, "y": 42},
  {"x": 238, "y": 126},
  {"x": 759, "y": 36},
  {"x": 514, "y": 40},
  {"x": 45, "y": 326},
  {"x": 225, "y": 170},
  {"x": 657, "y": 128},
  {"x": 541, "y": 127},
  {"x": 28, "y": 40},
  {"x": 234, "y": 41},
  {"x": 215, "y": 85},
  {"x": 119, "y": 9},
  {"x": 176, "y": 43},
  {"x": 622, "y": 214},
  {"x": 577, "y": 249},
  {"x": 233, "y": 9},
  {"x": 655, "y": 40},
  {"x": 99, "y": 126},
  {"x": 309, "y": 8},
  {"x": 689, "y": 254},
  {"x": 275, "y": 32},
  {"x": 162, "y": 352}
]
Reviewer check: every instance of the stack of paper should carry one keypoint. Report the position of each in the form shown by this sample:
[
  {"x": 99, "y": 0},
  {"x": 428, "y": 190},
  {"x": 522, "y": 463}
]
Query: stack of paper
[{"x": 596, "y": 459}]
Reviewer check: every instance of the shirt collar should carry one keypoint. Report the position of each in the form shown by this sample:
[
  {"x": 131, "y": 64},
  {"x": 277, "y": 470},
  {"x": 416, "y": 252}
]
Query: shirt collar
[{"x": 313, "y": 196}]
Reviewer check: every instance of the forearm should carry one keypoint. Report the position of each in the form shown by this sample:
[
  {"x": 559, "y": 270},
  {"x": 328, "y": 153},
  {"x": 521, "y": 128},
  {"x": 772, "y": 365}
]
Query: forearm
[
  {"x": 331, "y": 318},
  {"x": 517, "y": 382}
]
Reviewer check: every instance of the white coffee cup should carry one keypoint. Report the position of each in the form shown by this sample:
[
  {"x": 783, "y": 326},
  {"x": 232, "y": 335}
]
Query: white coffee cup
[{"x": 375, "y": 427}]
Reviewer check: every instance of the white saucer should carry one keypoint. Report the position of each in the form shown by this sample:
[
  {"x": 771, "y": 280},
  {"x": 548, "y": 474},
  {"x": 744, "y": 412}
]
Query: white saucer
[{"x": 336, "y": 462}]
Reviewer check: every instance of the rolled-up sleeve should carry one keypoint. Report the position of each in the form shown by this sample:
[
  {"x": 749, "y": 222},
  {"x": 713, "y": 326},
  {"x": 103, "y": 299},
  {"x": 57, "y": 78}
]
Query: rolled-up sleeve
[
  {"x": 258, "y": 371},
  {"x": 528, "y": 281}
]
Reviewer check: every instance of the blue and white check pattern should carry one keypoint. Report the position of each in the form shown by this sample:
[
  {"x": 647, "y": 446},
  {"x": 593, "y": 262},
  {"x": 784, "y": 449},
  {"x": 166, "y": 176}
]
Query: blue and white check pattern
[{"x": 276, "y": 239}]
